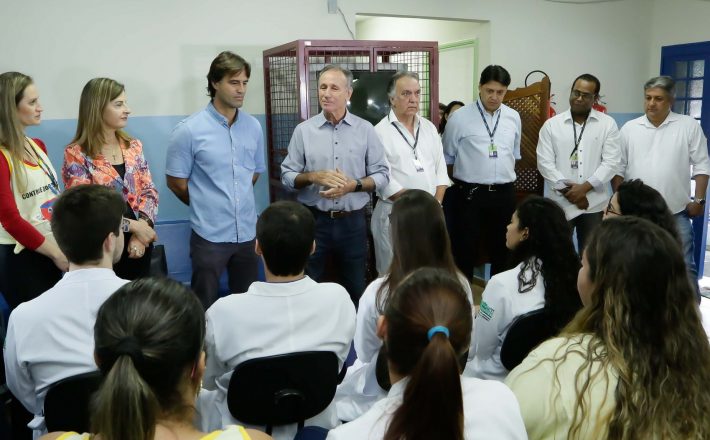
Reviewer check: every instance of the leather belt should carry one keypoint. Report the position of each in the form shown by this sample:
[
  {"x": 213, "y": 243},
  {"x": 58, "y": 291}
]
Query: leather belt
[
  {"x": 489, "y": 187},
  {"x": 334, "y": 214}
]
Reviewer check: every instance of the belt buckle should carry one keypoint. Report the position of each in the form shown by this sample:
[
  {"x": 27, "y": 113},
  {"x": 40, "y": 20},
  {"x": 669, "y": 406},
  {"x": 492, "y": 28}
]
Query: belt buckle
[
  {"x": 335, "y": 214},
  {"x": 492, "y": 188}
]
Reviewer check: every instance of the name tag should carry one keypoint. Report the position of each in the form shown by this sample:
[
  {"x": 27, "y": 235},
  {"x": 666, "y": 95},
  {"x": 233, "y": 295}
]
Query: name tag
[
  {"x": 574, "y": 161},
  {"x": 418, "y": 165},
  {"x": 492, "y": 150}
]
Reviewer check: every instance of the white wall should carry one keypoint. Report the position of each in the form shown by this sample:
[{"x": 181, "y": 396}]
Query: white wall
[
  {"x": 161, "y": 48},
  {"x": 676, "y": 22},
  {"x": 456, "y": 66}
]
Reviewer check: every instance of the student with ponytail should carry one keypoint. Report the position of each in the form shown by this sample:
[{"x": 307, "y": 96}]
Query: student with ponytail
[
  {"x": 426, "y": 328},
  {"x": 149, "y": 346}
]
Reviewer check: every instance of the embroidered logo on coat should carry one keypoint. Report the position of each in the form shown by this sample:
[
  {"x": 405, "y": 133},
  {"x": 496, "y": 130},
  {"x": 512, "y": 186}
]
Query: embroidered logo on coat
[{"x": 486, "y": 311}]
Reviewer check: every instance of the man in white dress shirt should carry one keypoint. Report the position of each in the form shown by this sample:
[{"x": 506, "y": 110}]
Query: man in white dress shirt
[
  {"x": 660, "y": 148},
  {"x": 415, "y": 154},
  {"x": 482, "y": 142},
  {"x": 288, "y": 313},
  {"x": 578, "y": 153},
  {"x": 51, "y": 337}
]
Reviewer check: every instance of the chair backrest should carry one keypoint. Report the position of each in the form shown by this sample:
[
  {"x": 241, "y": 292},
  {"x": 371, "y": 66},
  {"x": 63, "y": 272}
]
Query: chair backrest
[
  {"x": 66, "y": 405},
  {"x": 525, "y": 333},
  {"x": 282, "y": 389}
]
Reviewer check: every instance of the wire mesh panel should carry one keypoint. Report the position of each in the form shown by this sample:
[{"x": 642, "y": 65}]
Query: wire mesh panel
[
  {"x": 291, "y": 85},
  {"x": 415, "y": 61}
]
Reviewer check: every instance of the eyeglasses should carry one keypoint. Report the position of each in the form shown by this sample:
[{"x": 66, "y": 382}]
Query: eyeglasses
[
  {"x": 610, "y": 208},
  {"x": 586, "y": 96}
]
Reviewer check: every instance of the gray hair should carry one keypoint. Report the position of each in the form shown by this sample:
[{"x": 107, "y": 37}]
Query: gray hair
[
  {"x": 661, "y": 82},
  {"x": 348, "y": 74},
  {"x": 396, "y": 77}
]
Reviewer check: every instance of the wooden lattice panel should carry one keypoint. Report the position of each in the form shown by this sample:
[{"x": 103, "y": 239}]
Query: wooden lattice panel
[{"x": 533, "y": 105}]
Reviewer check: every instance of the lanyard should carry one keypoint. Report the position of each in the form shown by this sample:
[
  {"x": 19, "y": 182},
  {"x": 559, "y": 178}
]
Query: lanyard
[
  {"x": 488, "y": 129},
  {"x": 581, "y": 132},
  {"x": 54, "y": 185},
  {"x": 416, "y": 138}
]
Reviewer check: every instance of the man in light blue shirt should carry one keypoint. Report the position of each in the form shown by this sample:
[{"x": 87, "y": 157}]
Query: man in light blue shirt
[
  {"x": 214, "y": 158},
  {"x": 482, "y": 142},
  {"x": 335, "y": 159}
]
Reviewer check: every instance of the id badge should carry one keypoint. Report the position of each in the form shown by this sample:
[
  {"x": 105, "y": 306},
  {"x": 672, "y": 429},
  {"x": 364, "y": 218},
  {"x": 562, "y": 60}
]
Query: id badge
[
  {"x": 492, "y": 150},
  {"x": 418, "y": 165},
  {"x": 574, "y": 162}
]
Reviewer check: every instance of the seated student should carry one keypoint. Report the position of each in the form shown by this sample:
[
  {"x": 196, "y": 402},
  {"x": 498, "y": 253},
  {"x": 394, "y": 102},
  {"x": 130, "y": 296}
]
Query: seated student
[
  {"x": 288, "y": 313},
  {"x": 634, "y": 363},
  {"x": 149, "y": 347},
  {"x": 425, "y": 328},
  {"x": 419, "y": 239},
  {"x": 633, "y": 197},
  {"x": 51, "y": 337},
  {"x": 540, "y": 239}
]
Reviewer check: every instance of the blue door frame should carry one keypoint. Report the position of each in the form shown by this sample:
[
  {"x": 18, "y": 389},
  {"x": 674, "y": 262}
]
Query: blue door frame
[{"x": 693, "y": 52}]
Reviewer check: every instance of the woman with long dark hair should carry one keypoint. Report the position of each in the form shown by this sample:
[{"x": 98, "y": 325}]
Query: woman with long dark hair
[
  {"x": 419, "y": 239},
  {"x": 634, "y": 363},
  {"x": 149, "y": 338},
  {"x": 426, "y": 329},
  {"x": 30, "y": 260},
  {"x": 540, "y": 240}
]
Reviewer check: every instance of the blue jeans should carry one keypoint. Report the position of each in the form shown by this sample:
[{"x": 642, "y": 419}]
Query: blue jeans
[
  {"x": 341, "y": 242},
  {"x": 687, "y": 236}
]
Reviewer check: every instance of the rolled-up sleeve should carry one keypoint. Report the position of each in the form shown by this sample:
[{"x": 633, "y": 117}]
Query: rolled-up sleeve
[
  {"x": 376, "y": 162},
  {"x": 698, "y": 149},
  {"x": 611, "y": 158},
  {"x": 295, "y": 161}
]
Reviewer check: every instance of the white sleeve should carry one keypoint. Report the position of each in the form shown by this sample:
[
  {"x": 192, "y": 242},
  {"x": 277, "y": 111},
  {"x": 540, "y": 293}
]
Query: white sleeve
[
  {"x": 17, "y": 374},
  {"x": 367, "y": 344},
  {"x": 546, "y": 156},
  {"x": 491, "y": 319},
  {"x": 611, "y": 156},
  {"x": 698, "y": 150},
  {"x": 624, "y": 152},
  {"x": 213, "y": 369}
]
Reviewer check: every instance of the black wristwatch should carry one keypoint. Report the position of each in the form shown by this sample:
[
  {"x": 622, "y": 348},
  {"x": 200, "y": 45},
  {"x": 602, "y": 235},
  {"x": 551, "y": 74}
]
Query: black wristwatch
[
  {"x": 125, "y": 225},
  {"x": 700, "y": 202},
  {"x": 358, "y": 185}
]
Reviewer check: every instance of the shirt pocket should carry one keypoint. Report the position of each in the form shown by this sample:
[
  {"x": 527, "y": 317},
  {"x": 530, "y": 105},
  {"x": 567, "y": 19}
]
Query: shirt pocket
[{"x": 248, "y": 151}]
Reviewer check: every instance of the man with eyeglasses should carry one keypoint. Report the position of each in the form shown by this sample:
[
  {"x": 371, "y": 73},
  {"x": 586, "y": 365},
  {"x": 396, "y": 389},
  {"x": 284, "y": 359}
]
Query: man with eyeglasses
[
  {"x": 578, "y": 153},
  {"x": 482, "y": 143},
  {"x": 415, "y": 154},
  {"x": 660, "y": 148}
]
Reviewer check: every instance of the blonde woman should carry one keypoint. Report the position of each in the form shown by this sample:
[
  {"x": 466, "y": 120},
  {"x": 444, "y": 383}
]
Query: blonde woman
[
  {"x": 103, "y": 153},
  {"x": 634, "y": 363},
  {"x": 30, "y": 260}
]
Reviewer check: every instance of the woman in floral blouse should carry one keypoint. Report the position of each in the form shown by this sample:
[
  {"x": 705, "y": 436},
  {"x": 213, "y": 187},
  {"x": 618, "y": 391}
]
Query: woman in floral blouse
[{"x": 103, "y": 153}]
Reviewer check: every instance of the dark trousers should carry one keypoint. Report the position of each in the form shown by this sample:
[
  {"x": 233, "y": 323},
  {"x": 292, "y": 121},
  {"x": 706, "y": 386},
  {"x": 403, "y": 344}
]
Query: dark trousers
[
  {"x": 133, "y": 268},
  {"x": 26, "y": 275},
  {"x": 583, "y": 225},
  {"x": 344, "y": 242},
  {"x": 482, "y": 215},
  {"x": 210, "y": 259}
]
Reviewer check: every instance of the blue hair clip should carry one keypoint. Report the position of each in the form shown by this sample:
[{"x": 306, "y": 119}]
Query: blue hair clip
[{"x": 437, "y": 329}]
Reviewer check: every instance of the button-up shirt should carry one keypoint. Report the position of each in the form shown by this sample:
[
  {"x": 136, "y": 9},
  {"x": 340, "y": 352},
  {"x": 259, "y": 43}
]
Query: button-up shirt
[
  {"x": 467, "y": 143},
  {"x": 351, "y": 146},
  {"x": 598, "y": 158},
  {"x": 219, "y": 162},
  {"x": 662, "y": 156},
  {"x": 401, "y": 153}
]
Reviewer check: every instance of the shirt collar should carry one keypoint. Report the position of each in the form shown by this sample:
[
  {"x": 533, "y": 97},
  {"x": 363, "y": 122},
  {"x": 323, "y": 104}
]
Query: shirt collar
[
  {"x": 283, "y": 289},
  {"x": 391, "y": 117},
  {"x": 567, "y": 115},
  {"x": 483, "y": 108},
  {"x": 320, "y": 119},
  {"x": 219, "y": 117},
  {"x": 672, "y": 117}
]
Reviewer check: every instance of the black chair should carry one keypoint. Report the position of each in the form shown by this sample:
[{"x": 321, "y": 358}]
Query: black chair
[
  {"x": 526, "y": 332},
  {"x": 66, "y": 405},
  {"x": 283, "y": 389}
]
